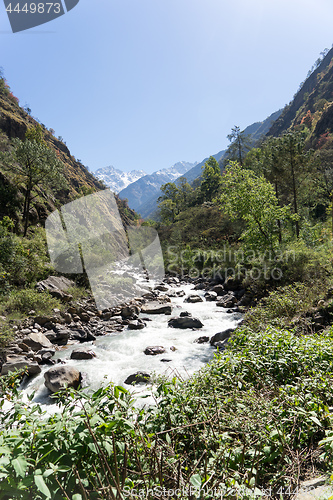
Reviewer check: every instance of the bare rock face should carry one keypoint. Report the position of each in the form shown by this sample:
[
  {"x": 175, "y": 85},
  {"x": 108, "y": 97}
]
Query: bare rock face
[
  {"x": 17, "y": 363},
  {"x": 57, "y": 286},
  {"x": 60, "y": 377}
]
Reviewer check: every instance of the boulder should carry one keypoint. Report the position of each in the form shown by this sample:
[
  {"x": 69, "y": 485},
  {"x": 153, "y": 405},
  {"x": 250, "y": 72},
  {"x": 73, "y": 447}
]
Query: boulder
[
  {"x": 227, "y": 301},
  {"x": 58, "y": 336},
  {"x": 185, "y": 322},
  {"x": 41, "y": 320},
  {"x": 131, "y": 311},
  {"x": 233, "y": 283},
  {"x": 138, "y": 378},
  {"x": 161, "y": 288},
  {"x": 137, "y": 324},
  {"x": 154, "y": 350},
  {"x": 221, "y": 336},
  {"x": 83, "y": 354},
  {"x": 192, "y": 299},
  {"x": 17, "y": 363},
  {"x": 156, "y": 308},
  {"x": 60, "y": 377},
  {"x": 219, "y": 290},
  {"x": 202, "y": 340},
  {"x": 184, "y": 314},
  {"x": 56, "y": 286},
  {"x": 36, "y": 341},
  {"x": 210, "y": 296}
]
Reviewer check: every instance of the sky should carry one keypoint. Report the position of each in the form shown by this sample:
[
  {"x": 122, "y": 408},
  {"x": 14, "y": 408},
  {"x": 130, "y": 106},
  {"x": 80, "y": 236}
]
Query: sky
[{"x": 143, "y": 84}]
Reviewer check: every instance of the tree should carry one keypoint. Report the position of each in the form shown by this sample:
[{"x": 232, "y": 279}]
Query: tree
[
  {"x": 251, "y": 197},
  {"x": 212, "y": 179},
  {"x": 34, "y": 166},
  {"x": 168, "y": 202},
  {"x": 240, "y": 145}
]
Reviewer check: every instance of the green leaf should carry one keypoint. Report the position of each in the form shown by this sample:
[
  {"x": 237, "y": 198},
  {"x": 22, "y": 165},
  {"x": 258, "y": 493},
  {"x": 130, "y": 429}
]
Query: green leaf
[
  {"x": 20, "y": 466},
  {"x": 40, "y": 483},
  {"x": 77, "y": 496},
  {"x": 315, "y": 420},
  {"x": 196, "y": 481}
]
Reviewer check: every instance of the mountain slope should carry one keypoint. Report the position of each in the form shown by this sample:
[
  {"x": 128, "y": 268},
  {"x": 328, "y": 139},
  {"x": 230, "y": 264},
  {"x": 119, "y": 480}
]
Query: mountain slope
[
  {"x": 311, "y": 106},
  {"x": 256, "y": 130},
  {"x": 149, "y": 185},
  {"x": 116, "y": 179},
  {"x": 14, "y": 122}
]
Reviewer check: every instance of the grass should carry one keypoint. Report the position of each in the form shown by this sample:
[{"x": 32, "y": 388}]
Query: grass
[{"x": 256, "y": 418}]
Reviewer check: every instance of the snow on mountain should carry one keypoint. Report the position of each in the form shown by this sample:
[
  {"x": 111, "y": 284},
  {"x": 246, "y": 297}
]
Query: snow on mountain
[
  {"x": 145, "y": 187},
  {"x": 116, "y": 179}
]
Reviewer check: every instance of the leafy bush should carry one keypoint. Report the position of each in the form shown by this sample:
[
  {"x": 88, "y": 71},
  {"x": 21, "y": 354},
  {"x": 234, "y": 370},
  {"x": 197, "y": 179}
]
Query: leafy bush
[{"x": 23, "y": 301}]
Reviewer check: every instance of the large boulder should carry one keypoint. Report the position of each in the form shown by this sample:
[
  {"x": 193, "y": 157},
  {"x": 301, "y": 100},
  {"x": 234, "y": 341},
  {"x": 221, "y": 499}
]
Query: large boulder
[
  {"x": 130, "y": 312},
  {"x": 210, "y": 296},
  {"x": 154, "y": 350},
  {"x": 219, "y": 290},
  {"x": 156, "y": 308},
  {"x": 56, "y": 286},
  {"x": 138, "y": 378},
  {"x": 58, "y": 378},
  {"x": 59, "y": 336},
  {"x": 193, "y": 298},
  {"x": 227, "y": 301},
  {"x": 137, "y": 324},
  {"x": 17, "y": 363},
  {"x": 82, "y": 354},
  {"x": 36, "y": 341},
  {"x": 185, "y": 322},
  {"x": 221, "y": 336}
]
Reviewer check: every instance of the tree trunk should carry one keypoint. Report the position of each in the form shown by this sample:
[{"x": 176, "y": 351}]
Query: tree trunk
[{"x": 26, "y": 212}]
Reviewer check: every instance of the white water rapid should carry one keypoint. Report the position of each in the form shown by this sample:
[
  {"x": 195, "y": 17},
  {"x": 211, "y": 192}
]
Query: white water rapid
[{"x": 121, "y": 354}]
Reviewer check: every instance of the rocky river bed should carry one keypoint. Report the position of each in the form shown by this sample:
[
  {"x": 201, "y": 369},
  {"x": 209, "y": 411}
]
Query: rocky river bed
[{"x": 173, "y": 329}]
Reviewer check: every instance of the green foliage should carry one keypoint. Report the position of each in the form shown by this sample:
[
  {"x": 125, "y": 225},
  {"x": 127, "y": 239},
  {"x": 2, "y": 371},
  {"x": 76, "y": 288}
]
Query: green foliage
[
  {"x": 22, "y": 260},
  {"x": 251, "y": 198},
  {"x": 212, "y": 179},
  {"x": 23, "y": 301},
  {"x": 33, "y": 165},
  {"x": 239, "y": 147}
]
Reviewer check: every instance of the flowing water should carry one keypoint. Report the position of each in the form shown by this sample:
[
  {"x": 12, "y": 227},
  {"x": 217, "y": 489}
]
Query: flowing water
[{"x": 120, "y": 354}]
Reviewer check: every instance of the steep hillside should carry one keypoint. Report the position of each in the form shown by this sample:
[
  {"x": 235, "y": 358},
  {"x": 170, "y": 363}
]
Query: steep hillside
[
  {"x": 311, "y": 106},
  {"x": 14, "y": 122}
]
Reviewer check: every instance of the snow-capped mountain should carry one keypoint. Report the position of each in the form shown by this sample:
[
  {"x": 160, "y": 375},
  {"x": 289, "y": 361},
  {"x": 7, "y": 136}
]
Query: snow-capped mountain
[
  {"x": 116, "y": 179},
  {"x": 147, "y": 186}
]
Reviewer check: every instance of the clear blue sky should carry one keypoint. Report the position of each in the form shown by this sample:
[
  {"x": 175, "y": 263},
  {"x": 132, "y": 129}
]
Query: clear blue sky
[{"x": 142, "y": 84}]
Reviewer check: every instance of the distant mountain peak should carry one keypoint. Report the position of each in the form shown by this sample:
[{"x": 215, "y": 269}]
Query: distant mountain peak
[{"x": 116, "y": 179}]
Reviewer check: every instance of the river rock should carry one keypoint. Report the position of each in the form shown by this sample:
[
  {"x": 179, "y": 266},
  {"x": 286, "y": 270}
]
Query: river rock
[
  {"x": 36, "y": 341},
  {"x": 227, "y": 301},
  {"x": 17, "y": 363},
  {"x": 60, "y": 377},
  {"x": 221, "y": 336},
  {"x": 83, "y": 354},
  {"x": 46, "y": 359},
  {"x": 219, "y": 290},
  {"x": 154, "y": 350},
  {"x": 130, "y": 312},
  {"x": 210, "y": 296},
  {"x": 161, "y": 288},
  {"x": 136, "y": 324},
  {"x": 202, "y": 340},
  {"x": 192, "y": 299},
  {"x": 138, "y": 378},
  {"x": 59, "y": 336},
  {"x": 185, "y": 322},
  {"x": 233, "y": 283},
  {"x": 156, "y": 308},
  {"x": 41, "y": 320}
]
